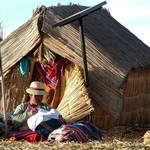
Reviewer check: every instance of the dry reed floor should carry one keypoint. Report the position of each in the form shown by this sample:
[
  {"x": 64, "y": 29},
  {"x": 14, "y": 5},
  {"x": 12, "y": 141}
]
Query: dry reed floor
[{"x": 118, "y": 138}]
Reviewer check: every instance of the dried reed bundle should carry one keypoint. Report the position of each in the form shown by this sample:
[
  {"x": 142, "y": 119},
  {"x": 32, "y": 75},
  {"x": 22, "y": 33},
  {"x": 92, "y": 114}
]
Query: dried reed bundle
[
  {"x": 147, "y": 137},
  {"x": 75, "y": 103}
]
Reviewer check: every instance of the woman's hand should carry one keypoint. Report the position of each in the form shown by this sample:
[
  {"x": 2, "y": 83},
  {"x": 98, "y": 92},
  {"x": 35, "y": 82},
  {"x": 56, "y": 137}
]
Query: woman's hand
[{"x": 31, "y": 110}]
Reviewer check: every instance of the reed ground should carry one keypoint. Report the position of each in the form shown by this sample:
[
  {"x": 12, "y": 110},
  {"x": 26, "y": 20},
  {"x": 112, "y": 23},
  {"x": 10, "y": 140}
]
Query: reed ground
[{"x": 117, "y": 138}]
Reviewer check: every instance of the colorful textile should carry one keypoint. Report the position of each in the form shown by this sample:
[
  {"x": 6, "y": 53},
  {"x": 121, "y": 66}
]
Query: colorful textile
[
  {"x": 77, "y": 132},
  {"x": 50, "y": 72},
  {"x": 47, "y": 127},
  {"x": 28, "y": 135}
]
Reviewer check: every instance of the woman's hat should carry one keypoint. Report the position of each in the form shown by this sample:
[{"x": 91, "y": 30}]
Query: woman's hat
[{"x": 36, "y": 88}]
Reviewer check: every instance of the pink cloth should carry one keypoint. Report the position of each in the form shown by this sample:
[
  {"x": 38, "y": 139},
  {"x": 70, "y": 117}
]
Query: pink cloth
[{"x": 30, "y": 107}]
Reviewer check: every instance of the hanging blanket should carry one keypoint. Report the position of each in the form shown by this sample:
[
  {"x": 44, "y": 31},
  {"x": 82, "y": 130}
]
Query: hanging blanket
[{"x": 50, "y": 72}]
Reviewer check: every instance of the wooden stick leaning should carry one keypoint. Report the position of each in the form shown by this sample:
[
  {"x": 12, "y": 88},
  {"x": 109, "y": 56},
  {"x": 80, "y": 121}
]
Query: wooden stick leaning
[{"x": 3, "y": 95}]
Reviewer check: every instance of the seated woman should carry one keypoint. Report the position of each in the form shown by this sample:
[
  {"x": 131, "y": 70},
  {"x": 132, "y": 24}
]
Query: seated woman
[{"x": 29, "y": 109}]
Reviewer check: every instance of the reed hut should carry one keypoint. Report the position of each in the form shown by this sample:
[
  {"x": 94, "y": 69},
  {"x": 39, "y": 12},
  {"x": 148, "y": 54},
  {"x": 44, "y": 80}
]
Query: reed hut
[{"x": 118, "y": 66}]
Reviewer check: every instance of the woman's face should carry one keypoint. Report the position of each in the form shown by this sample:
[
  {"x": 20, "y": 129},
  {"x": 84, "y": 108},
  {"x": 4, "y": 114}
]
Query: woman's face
[{"x": 36, "y": 99}]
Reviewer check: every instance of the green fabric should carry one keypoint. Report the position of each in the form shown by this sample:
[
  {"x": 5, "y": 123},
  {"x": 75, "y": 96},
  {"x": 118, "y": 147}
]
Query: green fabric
[{"x": 20, "y": 116}]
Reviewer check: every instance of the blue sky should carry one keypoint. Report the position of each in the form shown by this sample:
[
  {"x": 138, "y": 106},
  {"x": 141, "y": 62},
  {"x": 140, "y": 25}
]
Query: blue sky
[{"x": 133, "y": 14}]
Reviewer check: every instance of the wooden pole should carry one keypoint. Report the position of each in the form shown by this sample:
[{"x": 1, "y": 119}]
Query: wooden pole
[
  {"x": 83, "y": 52},
  {"x": 3, "y": 87},
  {"x": 3, "y": 96}
]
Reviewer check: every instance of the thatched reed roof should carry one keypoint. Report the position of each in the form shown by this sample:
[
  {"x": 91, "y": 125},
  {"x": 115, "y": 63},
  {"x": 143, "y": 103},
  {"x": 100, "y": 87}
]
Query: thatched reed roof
[{"x": 112, "y": 50}]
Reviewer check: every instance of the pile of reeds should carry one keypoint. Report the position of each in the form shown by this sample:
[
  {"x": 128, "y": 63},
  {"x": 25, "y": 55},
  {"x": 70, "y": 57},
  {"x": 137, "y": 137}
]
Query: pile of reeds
[{"x": 76, "y": 103}]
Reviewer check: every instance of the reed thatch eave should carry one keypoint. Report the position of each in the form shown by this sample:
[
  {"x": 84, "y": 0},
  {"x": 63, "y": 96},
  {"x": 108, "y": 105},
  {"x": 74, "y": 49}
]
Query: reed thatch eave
[{"x": 19, "y": 43}]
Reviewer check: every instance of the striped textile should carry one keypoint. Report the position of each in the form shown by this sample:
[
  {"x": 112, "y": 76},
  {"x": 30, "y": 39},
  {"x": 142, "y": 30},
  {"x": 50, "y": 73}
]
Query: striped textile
[
  {"x": 45, "y": 128},
  {"x": 77, "y": 132},
  {"x": 50, "y": 78},
  {"x": 50, "y": 72}
]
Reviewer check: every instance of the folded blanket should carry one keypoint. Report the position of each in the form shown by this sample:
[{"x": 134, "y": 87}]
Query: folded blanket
[
  {"x": 77, "y": 132},
  {"x": 45, "y": 128}
]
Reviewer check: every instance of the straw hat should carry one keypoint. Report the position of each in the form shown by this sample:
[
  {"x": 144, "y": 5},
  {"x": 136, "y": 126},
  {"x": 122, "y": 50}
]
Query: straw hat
[{"x": 36, "y": 88}]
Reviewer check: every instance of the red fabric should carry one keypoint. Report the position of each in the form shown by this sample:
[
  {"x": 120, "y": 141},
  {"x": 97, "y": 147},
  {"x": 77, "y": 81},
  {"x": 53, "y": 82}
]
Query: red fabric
[
  {"x": 28, "y": 135},
  {"x": 35, "y": 137},
  {"x": 50, "y": 72},
  {"x": 51, "y": 80}
]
